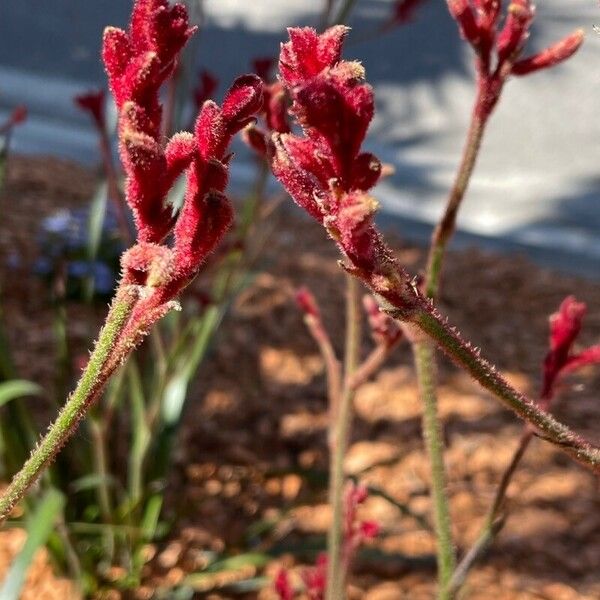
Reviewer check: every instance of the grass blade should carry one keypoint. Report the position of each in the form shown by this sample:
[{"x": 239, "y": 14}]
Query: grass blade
[
  {"x": 39, "y": 528},
  {"x": 17, "y": 388}
]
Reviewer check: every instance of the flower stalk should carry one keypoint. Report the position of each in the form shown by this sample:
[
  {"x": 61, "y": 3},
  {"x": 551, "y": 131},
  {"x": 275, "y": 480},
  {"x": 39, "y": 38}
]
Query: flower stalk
[
  {"x": 342, "y": 412},
  {"x": 424, "y": 356},
  {"x": 565, "y": 326},
  {"x": 325, "y": 173},
  {"x": 90, "y": 385},
  {"x": 138, "y": 61},
  {"x": 478, "y": 27}
]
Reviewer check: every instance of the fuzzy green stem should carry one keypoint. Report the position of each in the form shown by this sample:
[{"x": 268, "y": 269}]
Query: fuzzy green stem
[
  {"x": 469, "y": 358},
  {"x": 90, "y": 385},
  {"x": 424, "y": 354},
  {"x": 447, "y": 224},
  {"x": 338, "y": 443}
]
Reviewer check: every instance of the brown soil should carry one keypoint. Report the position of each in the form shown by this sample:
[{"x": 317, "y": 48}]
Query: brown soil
[{"x": 253, "y": 447}]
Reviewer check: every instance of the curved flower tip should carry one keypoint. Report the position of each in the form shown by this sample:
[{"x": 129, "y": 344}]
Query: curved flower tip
[
  {"x": 307, "y": 303},
  {"x": 205, "y": 88},
  {"x": 404, "y": 11},
  {"x": 18, "y": 115},
  {"x": 243, "y": 100},
  {"x": 283, "y": 586},
  {"x": 565, "y": 324},
  {"x": 551, "y": 56},
  {"x": 140, "y": 60},
  {"x": 93, "y": 103},
  {"x": 463, "y": 14},
  {"x": 308, "y": 53}
]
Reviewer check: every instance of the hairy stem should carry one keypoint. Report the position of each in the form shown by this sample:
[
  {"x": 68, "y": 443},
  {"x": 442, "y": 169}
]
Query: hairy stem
[
  {"x": 469, "y": 358},
  {"x": 447, "y": 224},
  {"x": 424, "y": 354},
  {"x": 338, "y": 444},
  {"x": 89, "y": 387}
]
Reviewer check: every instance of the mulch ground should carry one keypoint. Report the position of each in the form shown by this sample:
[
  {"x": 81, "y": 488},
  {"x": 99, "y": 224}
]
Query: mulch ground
[{"x": 253, "y": 446}]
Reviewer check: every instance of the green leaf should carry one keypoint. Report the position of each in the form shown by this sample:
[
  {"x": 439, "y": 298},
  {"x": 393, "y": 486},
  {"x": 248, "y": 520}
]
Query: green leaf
[
  {"x": 185, "y": 368},
  {"x": 92, "y": 481},
  {"x": 95, "y": 225},
  {"x": 96, "y": 219},
  {"x": 151, "y": 516},
  {"x": 253, "y": 559},
  {"x": 17, "y": 388},
  {"x": 39, "y": 528}
]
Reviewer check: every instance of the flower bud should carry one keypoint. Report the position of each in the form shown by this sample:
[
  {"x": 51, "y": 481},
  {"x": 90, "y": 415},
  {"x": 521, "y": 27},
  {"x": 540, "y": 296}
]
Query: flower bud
[{"x": 551, "y": 56}]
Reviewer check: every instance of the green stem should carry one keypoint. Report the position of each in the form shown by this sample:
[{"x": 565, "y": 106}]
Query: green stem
[
  {"x": 424, "y": 352},
  {"x": 447, "y": 224},
  {"x": 493, "y": 522},
  {"x": 90, "y": 385},
  {"x": 469, "y": 358},
  {"x": 344, "y": 12},
  {"x": 434, "y": 441},
  {"x": 338, "y": 443}
]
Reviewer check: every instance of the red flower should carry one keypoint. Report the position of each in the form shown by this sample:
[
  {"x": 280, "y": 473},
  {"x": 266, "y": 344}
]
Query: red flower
[
  {"x": 479, "y": 24},
  {"x": 356, "y": 532},
  {"x": 565, "y": 326},
  {"x": 17, "y": 116},
  {"x": 498, "y": 50},
  {"x": 138, "y": 62},
  {"x": 324, "y": 171},
  {"x": 206, "y": 87},
  {"x": 93, "y": 103},
  {"x": 283, "y": 587},
  {"x": 315, "y": 578},
  {"x": 307, "y": 303},
  {"x": 403, "y": 11}
]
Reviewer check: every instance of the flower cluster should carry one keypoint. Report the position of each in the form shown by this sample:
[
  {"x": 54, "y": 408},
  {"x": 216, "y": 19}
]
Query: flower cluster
[
  {"x": 324, "y": 170},
  {"x": 565, "y": 326},
  {"x": 138, "y": 62},
  {"x": 355, "y": 533},
  {"x": 499, "y": 49}
]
